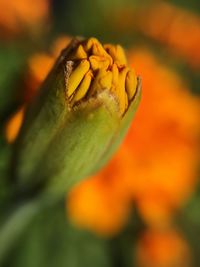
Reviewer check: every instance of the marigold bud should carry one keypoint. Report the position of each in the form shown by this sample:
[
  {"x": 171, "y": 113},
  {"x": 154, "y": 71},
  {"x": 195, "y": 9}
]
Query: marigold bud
[{"x": 78, "y": 118}]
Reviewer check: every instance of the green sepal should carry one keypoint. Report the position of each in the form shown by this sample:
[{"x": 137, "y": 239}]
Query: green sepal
[
  {"x": 62, "y": 152},
  {"x": 85, "y": 137},
  {"x": 42, "y": 120},
  {"x": 124, "y": 125}
]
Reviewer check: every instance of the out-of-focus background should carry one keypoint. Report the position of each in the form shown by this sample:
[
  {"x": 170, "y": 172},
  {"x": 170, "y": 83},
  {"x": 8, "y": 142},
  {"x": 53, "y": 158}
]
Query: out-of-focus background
[{"x": 143, "y": 208}]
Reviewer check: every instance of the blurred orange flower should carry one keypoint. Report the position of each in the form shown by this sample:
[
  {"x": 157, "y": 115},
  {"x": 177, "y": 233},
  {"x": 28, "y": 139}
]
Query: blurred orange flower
[
  {"x": 155, "y": 165},
  {"x": 179, "y": 29},
  {"x": 97, "y": 207},
  {"x": 18, "y": 15},
  {"x": 162, "y": 249},
  {"x": 173, "y": 26},
  {"x": 163, "y": 141},
  {"x": 101, "y": 203}
]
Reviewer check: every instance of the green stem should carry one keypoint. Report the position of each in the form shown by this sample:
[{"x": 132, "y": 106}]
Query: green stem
[{"x": 15, "y": 224}]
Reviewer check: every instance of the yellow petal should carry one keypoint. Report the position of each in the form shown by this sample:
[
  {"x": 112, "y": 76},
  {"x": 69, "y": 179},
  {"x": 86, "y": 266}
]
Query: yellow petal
[
  {"x": 79, "y": 53},
  {"x": 82, "y": 88},
  {"x": 117, "y": 53},
  {"x": 76, "y": 76},
  {"x": 106, "y": 81},
  {"x": 98, "y": 62},
  {"x": 130, "y": 84},
  {"x": 102, "y": 81},
  {"x": 95, "y": 48},
  {"x": 90, "y": 42},
  {"x": 120, "y": 90},
  {"x": 115, "y": 79}
]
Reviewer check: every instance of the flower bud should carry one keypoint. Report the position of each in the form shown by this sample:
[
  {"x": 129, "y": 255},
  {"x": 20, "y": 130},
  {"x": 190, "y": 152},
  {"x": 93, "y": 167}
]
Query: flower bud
[{"x": 78, "y": 118}]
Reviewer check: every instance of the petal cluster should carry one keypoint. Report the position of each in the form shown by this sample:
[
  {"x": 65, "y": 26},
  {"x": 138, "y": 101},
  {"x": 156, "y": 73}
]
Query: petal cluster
[{"x": 97, "y": 67}]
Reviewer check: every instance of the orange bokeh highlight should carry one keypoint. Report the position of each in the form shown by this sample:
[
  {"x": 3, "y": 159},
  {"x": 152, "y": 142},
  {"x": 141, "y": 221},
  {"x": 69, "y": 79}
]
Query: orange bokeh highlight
[
  {"x": 174, "y": 27},
  {"x": 179, "y": 29},
  {"x": 18, "y": 15},
  {"x": 14, "y": 124},
  {"x": 97, "y": 207},
  {"x": 39, "y": 66},
  {"x": 162, "y": 249}
]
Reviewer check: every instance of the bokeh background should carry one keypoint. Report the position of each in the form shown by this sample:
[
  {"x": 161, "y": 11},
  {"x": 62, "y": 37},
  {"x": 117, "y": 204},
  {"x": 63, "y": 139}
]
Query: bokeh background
[{"x": 143, "y": 208}]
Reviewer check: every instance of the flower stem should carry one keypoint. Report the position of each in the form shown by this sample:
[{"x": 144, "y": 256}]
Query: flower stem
[{"x": 16, "y": 222}]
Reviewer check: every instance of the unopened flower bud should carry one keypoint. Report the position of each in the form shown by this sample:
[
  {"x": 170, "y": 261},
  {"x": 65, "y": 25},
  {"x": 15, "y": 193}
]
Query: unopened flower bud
[{"x": 78, "y": 118}]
